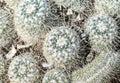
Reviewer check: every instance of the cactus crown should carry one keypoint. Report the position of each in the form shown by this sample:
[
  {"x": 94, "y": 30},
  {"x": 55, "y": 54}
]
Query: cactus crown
[
  {"x": 61, "y": 45},
  {"x": 56, "y": 76},
  {"x": 32, "y": 10},
  {"x": 23, "y": 69},
  {"x": 102, "y": 29}
]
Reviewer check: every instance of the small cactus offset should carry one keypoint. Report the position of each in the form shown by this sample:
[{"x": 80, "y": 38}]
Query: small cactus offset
[
  {"x": 23, "y": 69},
  {"x": 111, "y": 7},
  {"x": 29, "y": 17},
  {"x": 56, "y": 76},
  {"x": 101, "y": 70},
  {"x": 6, "y": 27},
  {"x": 2, "y": 64},
  {"x": 102, "y": 30},
  {"x": 61, "y": 46}
]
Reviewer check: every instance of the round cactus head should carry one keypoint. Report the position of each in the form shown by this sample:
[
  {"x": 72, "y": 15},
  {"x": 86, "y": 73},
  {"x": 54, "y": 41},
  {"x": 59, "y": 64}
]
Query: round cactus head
[
  {"x": 101, "y": 29},
  {"x": 111, "y": 7},
  {"x": 56, "y": 76},
  {"x": 23, "y": 69},
  {"x": 2, "y": 64},
  {"x": 61, "y": 46},
  {"x": 29, "y": 17},
  {"x": 6, "y": 27}
]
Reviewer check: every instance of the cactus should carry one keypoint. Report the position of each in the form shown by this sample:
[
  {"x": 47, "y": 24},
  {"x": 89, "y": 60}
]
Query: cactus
[
  {"x": 102, "y": 30},
  {"x": 101, "y": 70},
  {"x": 29, "y": 17},
  {"x": 77, "y": 5},
  {"x": 6, "y": 27},
  {"x": 2, "y": 65},
  {"x": 111, "y": 7},
  {"x": 61, "y": 46},
  {"x": 23, "y": 69},
  {"x": 56, "y": 76}
]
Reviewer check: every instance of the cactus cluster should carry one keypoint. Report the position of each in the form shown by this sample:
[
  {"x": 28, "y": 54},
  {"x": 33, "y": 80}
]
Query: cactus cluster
[
  {"x": 61, "y": 46},
  {"x": 111, "y": 7},
  {"x": 23, "y": 69},
  {"x": 2, "y": 65},
  {"x": 6, "y": 27},
  {"x": 56, "y": 76},
  {"x": 102, "y": 30},
  {"x": 29, "y": 17}
]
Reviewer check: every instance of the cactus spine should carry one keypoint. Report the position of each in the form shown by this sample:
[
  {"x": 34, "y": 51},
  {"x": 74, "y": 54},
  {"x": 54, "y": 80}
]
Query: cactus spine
[
  {"x": 6, "y": 27},
  {"x": 111, "y": 7},
  {"x": 77, "y": 5}
]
